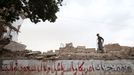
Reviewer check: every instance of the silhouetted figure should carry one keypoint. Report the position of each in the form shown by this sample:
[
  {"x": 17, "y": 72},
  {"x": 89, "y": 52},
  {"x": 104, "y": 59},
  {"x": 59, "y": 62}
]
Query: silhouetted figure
[{"x": 100, "y": 43}]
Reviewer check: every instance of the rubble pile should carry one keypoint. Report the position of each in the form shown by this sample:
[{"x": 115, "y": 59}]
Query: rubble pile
[
  {"x": 7, "y": 54},
  {"x": 14, "y": 46},
  {"x": 111, "y": 51},
  {"x": 119, "y": 51}
]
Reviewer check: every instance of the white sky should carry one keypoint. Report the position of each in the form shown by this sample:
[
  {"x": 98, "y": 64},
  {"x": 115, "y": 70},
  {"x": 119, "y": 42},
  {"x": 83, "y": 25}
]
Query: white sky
[{"x": 79, "y": 21}]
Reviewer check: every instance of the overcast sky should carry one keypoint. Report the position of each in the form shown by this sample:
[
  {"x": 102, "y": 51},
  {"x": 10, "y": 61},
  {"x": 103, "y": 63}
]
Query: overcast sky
[{"x": 79, "y": 21}]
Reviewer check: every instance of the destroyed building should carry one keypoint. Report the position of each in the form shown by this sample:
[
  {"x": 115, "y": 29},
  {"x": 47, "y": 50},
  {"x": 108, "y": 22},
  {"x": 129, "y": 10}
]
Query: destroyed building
[{"x": 16, "y": 50}]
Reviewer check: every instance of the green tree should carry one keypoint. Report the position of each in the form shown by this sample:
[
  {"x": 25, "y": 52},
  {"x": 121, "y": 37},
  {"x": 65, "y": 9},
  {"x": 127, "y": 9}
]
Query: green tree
[{"x": 35, "y": 10}]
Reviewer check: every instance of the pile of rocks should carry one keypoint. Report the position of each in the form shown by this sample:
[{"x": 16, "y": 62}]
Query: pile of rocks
[{"x": 112, "y": 51}]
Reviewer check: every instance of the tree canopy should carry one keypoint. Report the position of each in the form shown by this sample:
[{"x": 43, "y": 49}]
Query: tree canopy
[{"x": 35, "y": 10}]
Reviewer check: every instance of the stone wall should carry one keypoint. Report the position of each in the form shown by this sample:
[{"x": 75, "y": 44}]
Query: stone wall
[
  {"x": 69, "y": 48},
  {"x": 119, "y": 51},
  {"x": 112, "y": 47}
]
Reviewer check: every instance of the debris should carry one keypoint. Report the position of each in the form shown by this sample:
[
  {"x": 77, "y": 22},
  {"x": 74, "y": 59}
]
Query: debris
[{"x": 113, "y": 51}]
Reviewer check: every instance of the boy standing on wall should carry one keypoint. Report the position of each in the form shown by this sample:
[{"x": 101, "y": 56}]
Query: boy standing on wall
[{"x": 100, "y": 43}]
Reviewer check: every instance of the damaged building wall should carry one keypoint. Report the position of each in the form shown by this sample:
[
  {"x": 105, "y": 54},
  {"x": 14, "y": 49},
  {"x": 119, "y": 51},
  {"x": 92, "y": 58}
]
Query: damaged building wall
[
  {"x": 67, "y": 67},
  {"x": 112, "y": 51},
  {"x": 69, "y": 60},
  {"x": 69, "y": 48}
]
